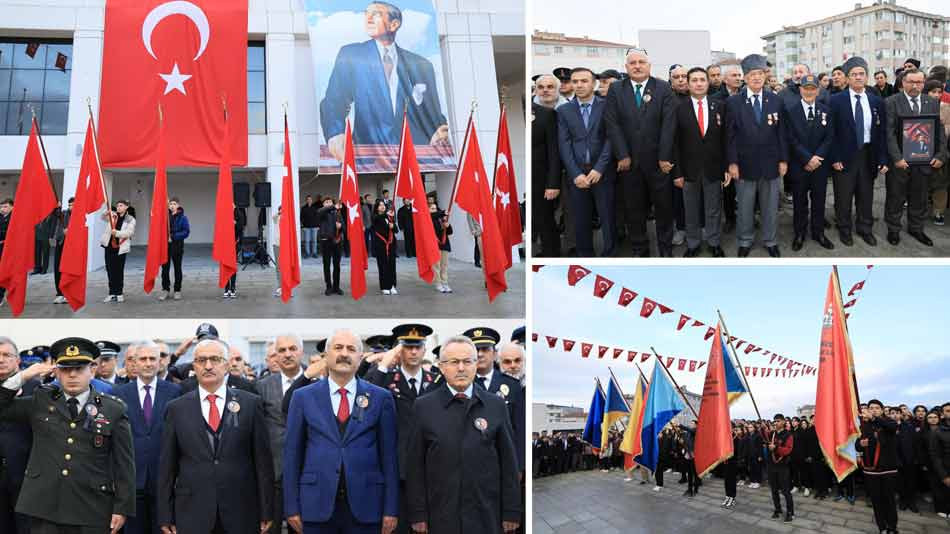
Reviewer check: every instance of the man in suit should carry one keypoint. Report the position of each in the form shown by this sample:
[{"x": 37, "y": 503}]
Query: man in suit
[
  {"x": 381, "y": 79},
  {"x": 147, "y": 398},
  {"x": 699, "y": 167},
  {"x": 341, "y": 472},
  {"x": 16, "y": 439},
  {"x": 810, "y": 134},
  {"x": 232, "y": 381},
  {"x": 757, "y": 154},
  {"x": 858, "y": 152},
  {"x": 907, "y": 181},
  {"x": 215, "y": 470},
  {"x": 881, "y": 86},
  {"x": 400, "y": 371},
  {"x": 463, "y": 464},
  {"x": 586, "y": 155},
  {"x": 545, "y": 178},
  {"x": 639, "y": 120},
  {"x": 288, "y": 350}
]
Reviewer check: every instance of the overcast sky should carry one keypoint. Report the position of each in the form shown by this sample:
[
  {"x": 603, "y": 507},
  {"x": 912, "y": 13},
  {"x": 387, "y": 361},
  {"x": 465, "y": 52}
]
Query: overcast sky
[
  {"x": 734, "y": 28},
  {"x": 898, "y": 329}
]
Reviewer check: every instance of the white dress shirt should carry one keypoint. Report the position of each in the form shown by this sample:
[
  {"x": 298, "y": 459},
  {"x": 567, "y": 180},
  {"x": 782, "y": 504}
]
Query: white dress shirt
[
  {"x": 286, "y": 382},
  {"x": 813, "y": 106},
  {"x": 335, "y": 397},
  {"x": 417, "y": 376},
  {"x": 221, "y": 392},
  {"x": 866, "y": 107},
  {"x": 468, "y": 391},
  {"x": 141, "y": 387},
  {"x": 705, "y": 103},
  {"x": 910, "y": 101},
  {"x": 487, "y": 378},
  {"x": 393, "y": 81}
]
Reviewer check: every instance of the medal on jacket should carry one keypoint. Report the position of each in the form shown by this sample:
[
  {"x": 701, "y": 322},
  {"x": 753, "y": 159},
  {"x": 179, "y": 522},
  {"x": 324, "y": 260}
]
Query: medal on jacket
[
  {"x": 718, "y": 120},
  {"x": 233, "y": 409},
  {"x": 647, "y": 98},
  {"x": 824, "y": 119},
  {"x": 362, "y": 402},
  {"x": 503, "y": 390},
  {"x": 481, "y": 424}
]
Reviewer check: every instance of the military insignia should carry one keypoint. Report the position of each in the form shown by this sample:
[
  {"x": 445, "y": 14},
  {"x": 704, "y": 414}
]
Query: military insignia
[
  {"x": 72, "y": 350},
  {"x": 101, "y": 345},
  {"x": 776, "y": 117},
  {"x": 396, "y": 377},
  {"x": 718, "y": 120},
  {"x": 98, "y": 441},
  {"x": 503, "y": 389},
  {"x": 478, "y": 333},
  {"x": 824, "y": 119},
  {"x": 481, "y": 424},
  {"x": 92, "y": 410},
  {"x": 362, "y": 401},
  {"x": 769, "y": 119},
  {"x": 51, "y": 409},
  {"x": 234, "y": 407}
]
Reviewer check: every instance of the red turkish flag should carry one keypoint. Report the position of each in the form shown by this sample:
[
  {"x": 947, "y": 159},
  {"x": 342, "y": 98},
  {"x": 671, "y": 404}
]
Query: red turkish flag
[
  {"x": 772, "y": 359},
  {"x": 585, "y": 349},
  {"x": 568, "y": 345},
  {"x": 682, "y": 322},
  {"x": 551, "y": 341},
  {"x": 289, "y": 260},
  {"x": 617, "y": 353},
  {"x": 602, "y": 286},
  {"x": 754, "y": 369},
  {"x": 89, "y": 199},
  {"x": 649, "y": 305},
  {"x": 626, "y": 297},
  {"x": 697, "y": 323},
  {"x": 739, "y": 344},
  {"x": 34, "y": 201},
  {"x": 156, "y": 254},
  {"x": 857, "y": 287},
  {"x": 644, "y": 356},
  {"x": 473, "y": 195},
  {"x": 185, "y": 55},
  {"x": 768, "y": 371},
  {"x": 748, "y": 348},
  {"x": 681, "y": 364},
  {"x": 709, "y": 334},
  {"x": 766, "y": 353},
  {"x": 669, "y": 361},
  {"x": 692, "y": 366},
  {"x": 409, "y": 186},
  {"x": 631, "y": 355},
  {"x": 850, "y": 303},
  {"x": 224, "y": 248},
  {"x": 534, "y": 337},
  {"x": 507, "y": 208},
  {"x": 575, "y": 273},
  {"x": 601, "y": 350},
  {"x": 350, "y": 198},
  {"x": 713, "y": 443}
]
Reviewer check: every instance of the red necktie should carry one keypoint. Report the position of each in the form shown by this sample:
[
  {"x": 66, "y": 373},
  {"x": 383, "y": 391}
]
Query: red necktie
[
  {"x": 702, "y": 129},
  {"x": 214, "y": 417},
  {"x": 343, "y": 413}
]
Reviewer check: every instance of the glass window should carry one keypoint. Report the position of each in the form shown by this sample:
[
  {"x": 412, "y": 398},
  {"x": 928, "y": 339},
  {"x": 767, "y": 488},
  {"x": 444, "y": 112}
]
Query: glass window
[
  {"x": 31, "y": 81},
  {"x": 256, "y": 118},
  {"x": 18, "y": 116},
  {"x": 4, "y": 86},
  {"x": 6, "y": 55},
  {"x": 22, "y": 58},
  {"x": 54, "y": 119},
  {"x": 256, "y": 89}
]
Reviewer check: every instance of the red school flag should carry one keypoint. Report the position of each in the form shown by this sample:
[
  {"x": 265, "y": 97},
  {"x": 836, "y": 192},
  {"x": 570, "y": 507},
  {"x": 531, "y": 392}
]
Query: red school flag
[
  {"x": 35, "y": 200},
  {"x": 224, "y": 249},
  {"x": 472, "y": 194},
  {"x": 409, "y": 186},
  {"x": 185, "y": 54},
  {"x": 289, "y": 260},
  {"x": 507, "y": 208},
  {"x": 156, "y": 254},
  {"x": 713, "y": 429},
  {"x": 89, "y": 199},
  {"x": 350, "y": 198}
]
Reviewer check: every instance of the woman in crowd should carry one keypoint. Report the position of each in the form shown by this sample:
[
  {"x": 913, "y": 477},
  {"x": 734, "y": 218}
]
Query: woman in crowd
[
  {"x": 384, "y": 246},
  {"x": 117, "y": 241}
]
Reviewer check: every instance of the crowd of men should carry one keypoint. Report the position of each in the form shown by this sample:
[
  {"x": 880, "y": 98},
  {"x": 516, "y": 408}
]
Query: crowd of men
[
  {"x": 713, "y": 150},
  {"x": 364, "y": 436},
  {"x": 903, "y": 455}
]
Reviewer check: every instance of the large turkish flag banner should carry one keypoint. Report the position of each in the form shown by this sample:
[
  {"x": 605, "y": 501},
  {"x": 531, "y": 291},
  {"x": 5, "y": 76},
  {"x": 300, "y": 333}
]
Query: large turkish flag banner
[{"x": 190, "y": 56}]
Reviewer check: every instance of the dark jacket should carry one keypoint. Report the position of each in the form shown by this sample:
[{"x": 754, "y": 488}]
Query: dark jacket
[
  {"x": 583, "y": 148},
  {"x": 441, "y": 234},
  {"x": 147, "y": 439},
  {"x": 757, "y": 148},
  {"x": 897, "y": 107},
  {"x": 845, "y": 143},
  {"x": 807, "y": 138},
  {"x": 784, "y": 445},
  {"x": 16, "y": 439},
  {"x": 308, "y": 216},
  {"x": 939, "y": 447},
  {"x": 327, "y": 217},
  {"x": 545, "y": 163},
  {"x": 886, "y": 92},
  {"x": 700, "y": 156},
  {"x": 178, "y": 226},
  {"x": 4, "y": 224},
  {"x": 880, "y": 455},
  {"x": 404, "y": 218},
  {"x": 906, "y": 436},
  {"x": 383, "y": 234},
  {"x": 643, "y": 133}
]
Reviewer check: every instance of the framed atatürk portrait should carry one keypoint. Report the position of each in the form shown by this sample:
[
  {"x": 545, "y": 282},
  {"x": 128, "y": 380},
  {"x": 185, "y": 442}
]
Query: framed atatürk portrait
[{"x": 919, "y": 138}]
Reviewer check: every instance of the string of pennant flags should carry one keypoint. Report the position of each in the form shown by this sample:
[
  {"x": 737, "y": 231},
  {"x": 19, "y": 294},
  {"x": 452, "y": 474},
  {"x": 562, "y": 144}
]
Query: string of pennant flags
[{"x": 603, "y": 285}]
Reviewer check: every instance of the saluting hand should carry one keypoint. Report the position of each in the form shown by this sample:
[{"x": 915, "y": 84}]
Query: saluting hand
[
  {"x": 169, "y": 529},
  {"x": 295, "y": 523},
  {"x": 422, "y": 526},
  {"x": 37, "y": 369},
  {"x": 389, "y": 524},
  {"x": 316, "y": 369},
  {"x": 391, "y": 357},
  {"x": 117, "y": 521},
  {"x": 509, "y": 526}
]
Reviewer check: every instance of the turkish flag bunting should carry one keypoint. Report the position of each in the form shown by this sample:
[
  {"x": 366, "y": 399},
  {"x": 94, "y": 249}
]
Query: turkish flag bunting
[
  {"x": 34, "y": 201},
  {"x": 350, "y": 199},
  {"x": 534, "y": 336},
  {"x": 536, "y": 268},
  {"x": 683, "y": 320},
  {"x": 602, "y": 286},
  {"x": 626, "y": 297},
  {"x": 709, "y": 334},
  {"x": 795, "y": 373},
  {"x": 847, "y": 316},
  {"x": 568, "y": 345},
  {"x": 754, "y": 369},
  {"x": 701, "y": 364},
  {"x": 631, "y": 355},
  {"x": 756, "y": 349},
  {"x": 601, "y": 350},
  {"x": 409, "y": 186},
  {"x": 156, "y": 254},
  {"x": 857, "y": 287},
  {"x": 575, "y": 273},
  {"x": 746, "y": 371},
  {"x": 585, "y": 349},
  {"x": 472, "y": 194},
  {"x": 617, "y": 353},
  {"x": 644, "y": 356},
  {"x": 649, "y": 305},
  {"x": 732, "y": 339},
  {"x": 692, "y": 366},
  {"x": 697, "y": 323},
  {"x": 185, "y": 55},
  {"x": 669, "y": 361},
  {"x": 766, "y": 353},
  {"x": 748, "y": 348},
  {"x": 225, "y": 240},
  {"x": 850, "y": 303},
  {"x": 781, "y": 360},
  {"x": 289, "y": 260},
  {"x": 507, "y": 208},
  {"x": 89, "y": 198},
  {"x": 551, "y": 341},
  {"x": 681, "y": 364},
  {"x": 739, "y": 344},
  {"x": 772, "y": 359}
]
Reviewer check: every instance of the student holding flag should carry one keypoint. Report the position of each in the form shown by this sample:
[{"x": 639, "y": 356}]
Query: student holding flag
[
  {"x": 713, "y": 442},
  {"x": 595, "y": 418},
  {"x": 615, "y": 408},
  {"x": 663, "y": 403}
]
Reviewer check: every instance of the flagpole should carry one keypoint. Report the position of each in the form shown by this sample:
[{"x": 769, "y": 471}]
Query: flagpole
[
  {"x": 39, "y": 135},
  {"x": 494, "y": 178},
  {"x": 669, "y": 374},
  {"x": 642, "y": 376},
  {"x": 458, "y": 171},
  {"x": 95, "y": 148},
  {"x": 741, "y": 369}
]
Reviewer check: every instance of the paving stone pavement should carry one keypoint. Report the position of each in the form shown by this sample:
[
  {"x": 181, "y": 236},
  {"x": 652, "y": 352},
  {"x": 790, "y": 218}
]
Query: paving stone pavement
[
  {"x": 602, "y": 503},
  {"x": 202, "y": 297}
]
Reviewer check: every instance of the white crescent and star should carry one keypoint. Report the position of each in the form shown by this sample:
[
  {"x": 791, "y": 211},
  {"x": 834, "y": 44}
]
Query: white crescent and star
[{"x": 175, "y": 80}]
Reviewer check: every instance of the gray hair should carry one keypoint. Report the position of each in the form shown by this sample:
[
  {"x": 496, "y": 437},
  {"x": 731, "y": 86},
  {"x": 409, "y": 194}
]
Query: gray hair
[
  {"x": 222, "y": 346},
  {"x": 557, "y": 83},
  {"x": 635, "y": 50},
  {"x": 394, "y": 12},
  {"x": 807, "y": 68},
  {"x": 729, "y": 67},
  {"x": 150, "y": 346},
  {"x": 4, "y": 340},
  {"x": 511, "y": 345},
  {"x": 295, "y": 337},
  {"x": 458, "y": 340},
  {"x": 359, "y": 341}
]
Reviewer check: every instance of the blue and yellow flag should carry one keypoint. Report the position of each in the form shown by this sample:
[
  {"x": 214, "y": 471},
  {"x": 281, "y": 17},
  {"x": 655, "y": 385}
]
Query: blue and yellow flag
[
  {"x": 735, "y": 387},
  {"x": 662, "y": 405},
  {"x": 595, "y": 416},
  {"x": 615, "y": 408}
]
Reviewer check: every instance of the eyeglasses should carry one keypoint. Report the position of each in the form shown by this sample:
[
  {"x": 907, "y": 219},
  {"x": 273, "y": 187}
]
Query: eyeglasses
[
  {"x": 204, "y": 361},
  {"x": 7, "y": 356},
  {"x": 458, "y": 363}
]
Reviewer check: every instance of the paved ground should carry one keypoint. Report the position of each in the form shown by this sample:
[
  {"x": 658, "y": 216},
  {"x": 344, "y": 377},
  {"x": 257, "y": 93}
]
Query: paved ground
[
  {"x": 908, "y": 247},
  {"x": 591, "y": 501},
  {"x": 202, "y": 298}
]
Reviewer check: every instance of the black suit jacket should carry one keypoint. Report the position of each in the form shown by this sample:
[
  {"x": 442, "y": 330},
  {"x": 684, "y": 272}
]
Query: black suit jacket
[
  {"x": 644, "y": 134},
  {"x": 513, "y": 393},
  {"x": 809, "y": 138},
  {"x": 545, "y": 162},
  {"x": 16, "y": 439},
  {"x": 897, "y": 107},
  {"x": 234, "y": 382},
  {"x": 197, "y": 482},
  {"x": 700, "y": 156}
]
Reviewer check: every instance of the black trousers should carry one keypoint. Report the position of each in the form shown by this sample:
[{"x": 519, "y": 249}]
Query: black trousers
[
  {"x": 913, "y": 186},
  {"x": 146, "y": 518},
  {"x": 908, "y": 485},
  {"x": 276, "y": 527},
  {"x": 729, "y": 474},
  {"x": 57, "y": 259},
  {"x": 691, "y": 479},
  {"x": 175, "y": 251},
  {"x": 41, "y": 256},
  {"x": 409, "y": 240},
  {"x": 386, "y": 264},
  {"x": 846, "y": 486},
  {"x": 780, "y": 481},
  {"x": 819, "y": 476},
  {"x": 808, "y": 202},
  {"x": 331, "y": 254},
  {"x": 855, "y": 183},
  {"x": 729, "y": 202},
  {"x": 881, "y": 489},
  {"x": 10, "y": 521},
  {"x": 641, "y": 190},
  {"x": 341, "y": 522},
  {"x": 543, "y": 224},
  {"x": 661, "y": 466},
  {"x": 583, "y": 203},
  {"x": 115, "y": 270},
  {"x": 41, "y": 526}
]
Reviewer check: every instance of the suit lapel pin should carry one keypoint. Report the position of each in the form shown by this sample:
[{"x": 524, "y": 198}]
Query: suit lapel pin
[
  {"x": 91, "y": 410},
  {"x": 234, "y": 407},
  {"x": 647, "y": 98},
  {"x": 481, "y": 424},
  {"x": 503, "y": 390},
  {"x": 824, "y": 119},
  {"x": 362, "y": 401},
  {"x": 769, "y": 119},
  {"x": 718, "y": 120}
]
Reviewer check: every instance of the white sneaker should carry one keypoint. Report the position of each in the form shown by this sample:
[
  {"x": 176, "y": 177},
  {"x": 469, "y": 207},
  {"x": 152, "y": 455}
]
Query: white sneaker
[
  {"x": 448, "y": 289},
  {"x": 807, "y": 493},
  {"x": 725, "y": 502},
  {"x": 740, "y": 483},
  {"x": 59, "y": 299},
  {"x": 393, "y": 291},
  {"x": 732, "y": 502},
  {"x": 793, "y": 490},
  {"x": 110, "y": 298},
  {"x": 679, "y": 237},
  {"x": 943, "y": 515},
  {"x": 164, "y": 296},
  {"x": 657, "y": 488},
  {"x": 177, "y": 295},
  {"x": 440, "y": 288},
  {"x": 627, "y": 479},
  {"x": 386, "y": 292},
  {"x": 119, "y": 298},
  {"x": 754, "y": 485},
  {"x": 277, "y": 292},
  {"x": 234, "y": 294}
]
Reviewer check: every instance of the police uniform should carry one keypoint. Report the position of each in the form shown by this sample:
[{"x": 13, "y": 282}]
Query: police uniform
[
  {"x": 111, "y": 350},
  {"x": 81, "y": 469}
]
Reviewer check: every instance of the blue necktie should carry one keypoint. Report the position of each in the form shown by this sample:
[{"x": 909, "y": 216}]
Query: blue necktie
[
  {"x": 859, "y": 120},
  {"x": 757, "y": 109},
  {"x": 585, "y": 114},
  {"x": 636, "y": 93}
]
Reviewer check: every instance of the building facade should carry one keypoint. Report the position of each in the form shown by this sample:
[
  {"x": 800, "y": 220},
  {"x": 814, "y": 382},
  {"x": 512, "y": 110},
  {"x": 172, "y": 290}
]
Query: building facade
[
  {"x": 883, "y": 33},
  {"x": 556, "y": 418},
  {"x": 482, "y": 47},
  {"x": 552, "y": 50}
]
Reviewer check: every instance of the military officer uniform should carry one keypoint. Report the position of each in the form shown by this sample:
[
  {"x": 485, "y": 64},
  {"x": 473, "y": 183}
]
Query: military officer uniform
[{"x": 81, "y": 469}]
